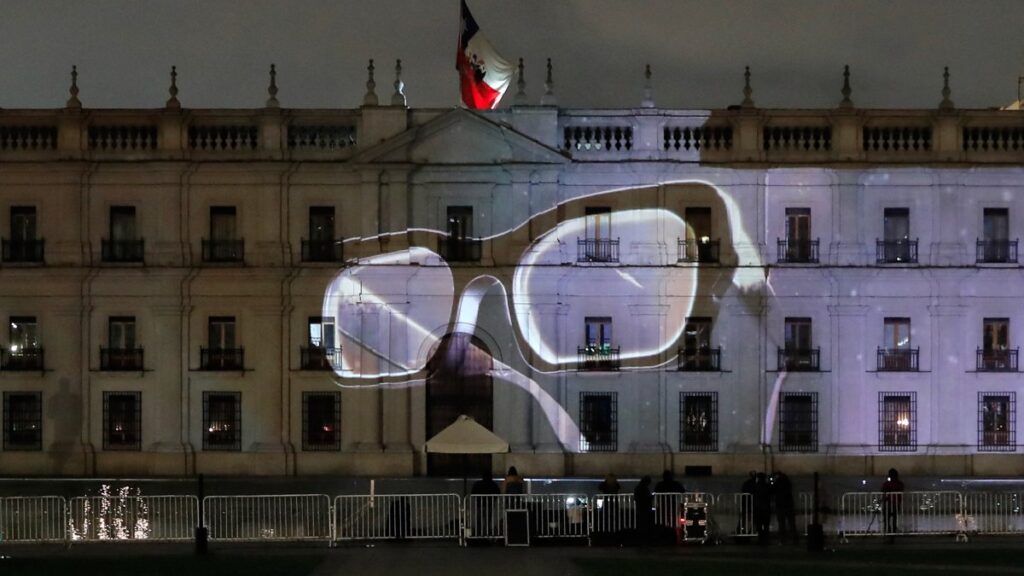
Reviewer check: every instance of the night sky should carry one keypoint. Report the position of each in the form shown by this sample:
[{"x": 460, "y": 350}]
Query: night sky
[{"x": 697, "y": 49}]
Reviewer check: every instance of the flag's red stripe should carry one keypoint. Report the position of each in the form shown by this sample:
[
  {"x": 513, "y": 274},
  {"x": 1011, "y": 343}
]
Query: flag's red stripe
[{"x": 476, "y": 95}]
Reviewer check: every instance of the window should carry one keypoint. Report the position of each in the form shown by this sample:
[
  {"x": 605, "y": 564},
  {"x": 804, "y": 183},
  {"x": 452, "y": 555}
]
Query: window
[
  {"x": 597, "y": 352},
  {"x": 997, "y": 422},
  {"x": 698, "y": 421},
  {"x": 798, "y": 422},
  {"x": 122, "y": 420},
  {"x": 460, "y": 245},
  {"x": 699, "y": 245},
  {"x": 798, "y": 353},
  {"x": 23, "y": 245},
  {"x": 798, "y": 246},
  {"x": 598, "y": 222},
  {"x": 599, "y": 422},
  {"x": 124, "y": 244},
  {"x": 224, "y": 244},
  {"x": 23, "y": 421},
  {"x": 222, "y": 421},
  {"x": 460, "y": 222},
  {"x": 995, "y": 354},
  {"x": 222, "y": 332},
  {"x": 223, "y": 352},
  {"x": 322, "y": 246},
  {"x": 597, "y": 245},
  {"x": 896, "y": 333},
  {"x": 896, "y": 224},
  {"x": 320, "y": 353},
  {"x": 995, "y": 224},
  {"x": 598, "y": 332},
  {"x": 321, "y": 421},
  {"x": 995, "y": 244},
  {"x": 895, "y": 353},
  {"x": 23, "y": 350},
  {"x": 121, "y": 352},
  {"x": 897, "y": 422},
  {"x": 896, "y": 247},
  {"x": 697, "y": 353}
]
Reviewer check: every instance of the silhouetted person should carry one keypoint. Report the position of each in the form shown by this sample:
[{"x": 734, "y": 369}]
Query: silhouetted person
[
  {"x": 892, "y": 501},
  {"x": 485, "y": 485},
  {"x": 644, "y": 502},
  {"x": 762, "y": 507},
  {"x": 668, "y": 484},
  {"x": 746, "y": 523},
  {"x": 486, "y": 507},
  {"x": 513, "y": 482},
  {"x": 785, "y": 509},
  {"x": 610, "y": 485}
]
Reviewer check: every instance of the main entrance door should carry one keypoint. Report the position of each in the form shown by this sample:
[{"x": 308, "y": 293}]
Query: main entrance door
[{"x": 459, "y": 382}]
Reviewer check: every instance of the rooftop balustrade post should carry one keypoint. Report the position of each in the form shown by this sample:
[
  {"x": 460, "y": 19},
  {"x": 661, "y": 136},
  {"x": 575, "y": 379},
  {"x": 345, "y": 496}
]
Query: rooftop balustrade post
[
  {"x": 71, "y": 141},
  {"x": 846, "y": 135},
  {"x": 947, "y": 136},
  {"x": 273, "y": 133},
  {"x": 747, "y": 128},
  {"x": 169, "y": 139}
]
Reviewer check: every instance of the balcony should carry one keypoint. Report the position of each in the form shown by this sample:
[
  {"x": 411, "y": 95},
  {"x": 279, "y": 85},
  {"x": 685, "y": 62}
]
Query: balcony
[
  {"x": 700, "y": 360},
  {"x": 800, "y": 359},
  {"x": 321, "y": 250},
  {"x": 221, "y": 358},
  {"x": 22, "y": 360},
  {"x": 459, "y": 249},
  {"x": 997, "y": 252},
  {"x": 123, "y": 250},
  {"x": 597, "y": 358},
  {"x": 798, "y": 251},
  {"x": 121, "y": 359},
  {"x": 223, "y": 250},
  {"x": 898, "y": 359},
  {"x": 896, "y": 251},
  {"x": 319, "y": 358},
  {"x": 597, "y": 250},
  {"x": 699, "y": 251},
  {"x": 997, "y": 360},
  {"x": 22, "y": 251}
]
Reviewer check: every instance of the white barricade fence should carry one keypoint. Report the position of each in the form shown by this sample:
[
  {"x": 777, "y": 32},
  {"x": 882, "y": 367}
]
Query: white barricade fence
[
  {"x": 122, "y": 516},
  {"x": 667, "y": 509},
  {"x": 612, "y": 513},
  {"x": 485, "y": 516},
  {"x": 268, "y": 517},
  {"x": 550, "y": 515},
  {"x": 395, "y": 516},
  {"x": 906, "y": 513},
  {"x": 993, "y": 513},
  {"x": 734, "y": 514},
  {"x": 32, "y": 519}
]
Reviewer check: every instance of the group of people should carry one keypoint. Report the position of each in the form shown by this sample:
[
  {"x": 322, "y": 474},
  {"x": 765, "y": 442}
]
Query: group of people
[{"x": 768, "y": 492}]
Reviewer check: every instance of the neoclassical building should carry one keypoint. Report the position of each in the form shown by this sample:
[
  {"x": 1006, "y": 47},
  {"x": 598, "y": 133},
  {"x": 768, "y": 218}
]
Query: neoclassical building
[{"x": 278, "y": 291}]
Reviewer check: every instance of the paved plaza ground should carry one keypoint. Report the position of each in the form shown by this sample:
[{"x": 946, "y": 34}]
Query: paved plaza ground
[{"x": 914, "y": 556}]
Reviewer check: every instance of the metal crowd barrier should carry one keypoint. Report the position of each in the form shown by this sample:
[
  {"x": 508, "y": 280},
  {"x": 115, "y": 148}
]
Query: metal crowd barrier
[
  {"x": 268, "y": 517},
  {"x": 413, "y": 516},
  {"x": 132, "y": 518},
  {"x": 734, "y": 514},
  {"x": 993, "y": 513},
  {"x": 33, "y": 519},
  {"x": 550, "y": 515},
  {"x": 902, "y": 513},
  {"x": 612, "y": 514}
]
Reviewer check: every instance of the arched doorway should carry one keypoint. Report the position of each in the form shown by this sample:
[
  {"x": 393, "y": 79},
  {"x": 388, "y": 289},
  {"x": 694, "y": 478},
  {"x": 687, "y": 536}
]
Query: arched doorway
[{"x": 459, "y": 382}]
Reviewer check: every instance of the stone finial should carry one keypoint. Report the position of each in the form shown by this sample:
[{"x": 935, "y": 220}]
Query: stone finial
[
  {"x": 521, "y": 85},
  {"x": 648, "y": 101},
  {"x": 272, "y": 89},
  {"x": 846, "y": 102},
  {"x": 73, "y": 101},
  {"x": 398, "y": 98},
  {"x": 748, "y": 92},
  {"x": 370, "y": 98},
  {"x": 172, "y": 102},
  {"x": 548, "y": 99},
  {"x": 946, "y": 103}
]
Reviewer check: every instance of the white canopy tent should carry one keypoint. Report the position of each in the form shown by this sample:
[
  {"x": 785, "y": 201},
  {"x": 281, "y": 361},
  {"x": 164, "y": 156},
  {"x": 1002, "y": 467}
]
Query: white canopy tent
[{"x": 465, "y": 436}]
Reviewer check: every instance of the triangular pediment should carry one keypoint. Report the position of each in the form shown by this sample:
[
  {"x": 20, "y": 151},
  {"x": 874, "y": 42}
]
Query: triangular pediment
[{"x": 461, "y": 137}]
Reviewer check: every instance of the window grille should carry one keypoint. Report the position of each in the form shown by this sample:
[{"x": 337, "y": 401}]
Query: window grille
[
  {"x": 321, "y": 421},
  {"x": 599, "y": 422},
  {"x": 222, "y": 421},
  {"x": 798, "y": 422},
  {"x": 122, "y": 420},
  {"x": 23, "y": 421},
  {"x": 897, "y": 422},
  {"x": 997, "y": 421},
  {"x": 698, "y": 421}
]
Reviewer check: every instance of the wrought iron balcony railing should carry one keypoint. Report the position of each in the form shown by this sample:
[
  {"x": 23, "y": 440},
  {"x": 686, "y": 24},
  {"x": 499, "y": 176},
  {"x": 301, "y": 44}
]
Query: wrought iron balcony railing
[
  {"x": 997, "y": 252},
  {"x": 898, "y": 359},
  {"x": 22, "y": 360},
  {"x": 798, "y": 251},
  {"x": 23, "y": 250},
  {"x": 702, "y": 252},
  {"x": 221, "y": 358},
  {"x": 321, "y": 250},
  {"x": 800, "y": 359},
  {"x": 700, "y": 359},
  {"x": 223, "y": 250},
  {"x": 598, "y": 358},
  {"x": 997, "y": 360},
  {"x": 597, "y": 250},
  {"x": 896, "y": 251},
  {"x": 319, "y": 358},
  {"x": 123, "y": 250},
  {"x": 116, "y": 359},
  {"x": 459, "y": 249}
]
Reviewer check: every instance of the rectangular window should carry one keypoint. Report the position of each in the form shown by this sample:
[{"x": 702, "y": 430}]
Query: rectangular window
[
  {"x": 798, "y": 334},
  {"x": 321, "y": 332},
  {"x": 697, "y": 334},
  {"x": 23, "y": 223},
  {"x": 460, "y": 222},
  {"x": 698, "y": 421},
  {"x": 798, "y": 422},
  {"x": 122, "y": 420},
  {"x": 599, "y": 422},
  {"x": 996, "y": 224},
  {"x": 598, "y": 331},
  {"x": 321, "y": 223},
  {"x": 598, "y": 222},
  {"x": 122, "y": 224},
  {"x": 798, "y": 225},
  {"x": 896, "y": 333},
  {"x": 121, "y": 332},
  {"x": 896, "y": 224},
  {"x": 997, "y": 422},
  {"x": 321, "y": 421},
  {"x": 698, "y": 224},
  {"x": 223, "y": 223},
  {"x": 221, "y": 332},
  {"x": 24, "y": 334},
  {"x": 995, "y": 334},
  {"x": 222, "y": 421},
  {"x": 23, "y": 421},
  {"x": 897, "y": 422}
]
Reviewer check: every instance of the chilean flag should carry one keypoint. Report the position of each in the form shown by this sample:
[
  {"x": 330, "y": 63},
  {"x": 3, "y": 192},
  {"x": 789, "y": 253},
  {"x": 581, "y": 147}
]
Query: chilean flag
[{"x": 483, "y": 74}]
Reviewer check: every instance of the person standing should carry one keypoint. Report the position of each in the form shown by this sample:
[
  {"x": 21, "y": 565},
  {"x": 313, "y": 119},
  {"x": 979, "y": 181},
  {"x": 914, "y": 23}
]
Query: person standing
[
  {"x": 892, "y": 501},
  {"x": 785, "y": 509},
  {"x": 644, "y": 502},
  {"x": 513, "y": 483},
  {"x": 762, "y": 507},
  {"x": 668, "y": 484}
]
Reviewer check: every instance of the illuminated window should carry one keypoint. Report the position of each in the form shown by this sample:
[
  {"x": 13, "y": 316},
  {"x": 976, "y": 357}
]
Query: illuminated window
[
  {"x": 23, "y": 421},
  {"x": 897, "y": 422},
  {"x": 122, "y": 420},
  {"x": 23, "y": 350},
  {"x": 599, "y": 422},
  {"x": 997, "y": 422},
  {"x": 798, "y": 422},
  {"x": 895, "y": 354},
  {"x": 995, "y": 354},
  {"x": 598, "y": 332},
  {"x": 321, "y": 421},
  {"x": 222, "y": 421},
  {"x": 698, "y": 421}
]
